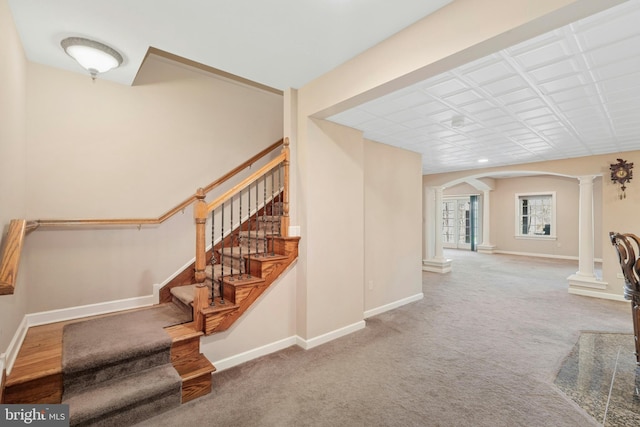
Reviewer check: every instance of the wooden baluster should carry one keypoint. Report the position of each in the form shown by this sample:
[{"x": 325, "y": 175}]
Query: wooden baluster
[
  {"x": 201, "y": 297},
  {"x": 264, "y": 210},
  {"x": 231, "y": 239},
  {"x": 249, "y": 232},
  {"x": 213, "y": 256},
  {"x": 200, "y": 301},
  {"x": 221, "y": 287},
  {"x": 284, "y": 219},
  {"x": 257, "y": 223},
  {"x": 200, "y": 215},
  {"x": 239, "y": 231},
  {"x": 272, "y": 210},
  {"x": 280, "y": 200}
]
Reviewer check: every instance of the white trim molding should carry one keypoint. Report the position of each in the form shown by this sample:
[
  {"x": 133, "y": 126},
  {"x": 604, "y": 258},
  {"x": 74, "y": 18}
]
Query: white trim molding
[
  {"x": 436, "y": 265},
  {"x": 585, "y": 282},
  {"x": 329, "y": 336},
  {"x": 537, "y": 255},
  {"x": 46, "y": 317},
  {"x": 3, "y": 362},
  {"x": 486, "y": 249},
  {"x": 14, "y": 346},
  {"x": 393, "y": 305},
  {"x": 595, "y": 294},
  {"x": 230, "y": 362}
]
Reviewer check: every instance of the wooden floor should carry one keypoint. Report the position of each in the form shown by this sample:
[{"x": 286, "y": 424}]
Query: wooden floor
[
  {"x": 39, "y": 361},
  {"x": 40, "y": 354}
]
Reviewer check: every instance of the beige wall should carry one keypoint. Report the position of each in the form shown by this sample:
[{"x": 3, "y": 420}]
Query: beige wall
[
  {"x": 392, "y": 224},
  {"x": 100, "y": 149},
  {"x": 503, "y": 215},
  {"x": 610, "y": 213},
  {"x": 334, "y": 232},
  {"x": 13, "y": 85},
  {"x": 461, "y": 31}
]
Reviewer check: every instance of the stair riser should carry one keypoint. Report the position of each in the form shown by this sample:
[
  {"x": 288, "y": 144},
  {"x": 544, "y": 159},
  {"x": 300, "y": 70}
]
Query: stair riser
[
  {"x": 253, "y": 245},
  {"x": 83, "y": 379},
  {"x": 233, "y": 262},
  {"x": 185, "y": 349},
  {"x": 40, "y": 390},
  {"x": 135, "y": 414},
  {"x": 196, "y": 387}
]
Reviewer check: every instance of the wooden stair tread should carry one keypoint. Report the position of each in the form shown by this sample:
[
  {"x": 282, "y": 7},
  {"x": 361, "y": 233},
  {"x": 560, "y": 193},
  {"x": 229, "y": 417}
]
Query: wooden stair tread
[
  {"x": 245, "y": 280},
  {"x": 194, "y": 367},
  {"x": 183, "y": 332},
  {"x": 219, "y": 308},
  {"x": 269, "y": 257}
]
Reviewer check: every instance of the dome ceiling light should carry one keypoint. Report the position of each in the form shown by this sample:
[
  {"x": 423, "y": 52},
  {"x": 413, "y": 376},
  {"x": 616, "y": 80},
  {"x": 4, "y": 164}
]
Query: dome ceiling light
[{"x": 93, "y": 56}]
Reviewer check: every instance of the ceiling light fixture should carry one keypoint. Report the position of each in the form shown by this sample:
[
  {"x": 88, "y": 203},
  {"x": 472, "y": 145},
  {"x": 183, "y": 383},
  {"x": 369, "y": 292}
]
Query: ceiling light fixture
[
  {"x": 483, "y": 160},
  {"x": 457, "y": 122},
  {"x": 93, "y": 56}
]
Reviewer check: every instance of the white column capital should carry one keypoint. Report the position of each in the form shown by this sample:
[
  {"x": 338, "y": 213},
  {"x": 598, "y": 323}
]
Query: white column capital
[{"x": 586, "y": 179}]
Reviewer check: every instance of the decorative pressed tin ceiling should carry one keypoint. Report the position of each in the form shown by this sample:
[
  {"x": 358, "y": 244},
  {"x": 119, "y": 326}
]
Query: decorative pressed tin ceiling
[{"x": 572, "y": 92}]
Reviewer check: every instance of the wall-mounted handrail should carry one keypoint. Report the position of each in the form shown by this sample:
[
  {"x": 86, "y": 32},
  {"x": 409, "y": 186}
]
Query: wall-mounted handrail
[
  {"x": 18, "y": 228},
  {"x": 11, "y": 250},
  {"x": 155, "y": 221}
]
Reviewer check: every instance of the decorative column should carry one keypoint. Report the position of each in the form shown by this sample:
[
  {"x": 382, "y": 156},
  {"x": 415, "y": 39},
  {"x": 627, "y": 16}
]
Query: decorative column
[
  {"x": 486, "y": 247},
  {"x": 428, "y": 237},
  {"x": 437, "y": 264},
  {"x": 585, "y": 276}
]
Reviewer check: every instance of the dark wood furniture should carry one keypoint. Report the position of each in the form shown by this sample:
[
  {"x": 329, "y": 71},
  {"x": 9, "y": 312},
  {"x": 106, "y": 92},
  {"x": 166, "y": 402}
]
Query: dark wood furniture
[{"x": 628, "y": 248}]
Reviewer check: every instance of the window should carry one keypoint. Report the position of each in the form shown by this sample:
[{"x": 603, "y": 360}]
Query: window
[{"x": 536, "y": 215}]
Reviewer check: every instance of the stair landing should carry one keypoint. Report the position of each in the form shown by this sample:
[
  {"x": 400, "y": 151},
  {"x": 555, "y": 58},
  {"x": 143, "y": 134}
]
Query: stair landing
[{"x": 36, "y": 376}]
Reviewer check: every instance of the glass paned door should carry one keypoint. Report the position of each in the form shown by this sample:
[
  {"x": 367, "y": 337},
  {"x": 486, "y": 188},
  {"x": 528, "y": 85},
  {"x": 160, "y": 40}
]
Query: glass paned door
[
  {"x": 457, "y": 223},
  {"x": 449, "y": 224}
]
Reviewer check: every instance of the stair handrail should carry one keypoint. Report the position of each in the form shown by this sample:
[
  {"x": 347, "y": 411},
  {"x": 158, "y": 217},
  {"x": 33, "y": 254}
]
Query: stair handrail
[
  {"x": 156, "y": 221},
  {"x": 202, "y": 209},
  {"x": 12, "y": 244},
  {"x": 12, "y": 248}
]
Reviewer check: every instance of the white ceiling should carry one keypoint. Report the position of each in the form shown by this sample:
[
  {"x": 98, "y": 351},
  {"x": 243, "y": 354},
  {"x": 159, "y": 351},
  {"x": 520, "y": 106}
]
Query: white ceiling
[
  {"x": 569, "y": 93},
  {"x": 278, "y": 43}
]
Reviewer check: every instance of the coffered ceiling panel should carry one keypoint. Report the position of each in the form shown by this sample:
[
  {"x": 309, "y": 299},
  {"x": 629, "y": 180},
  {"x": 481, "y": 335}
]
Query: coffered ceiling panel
[{"x": 572, "y": 92}]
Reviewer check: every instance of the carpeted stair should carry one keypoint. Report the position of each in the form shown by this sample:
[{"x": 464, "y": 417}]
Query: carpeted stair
[{"x": 117, "y": 369}]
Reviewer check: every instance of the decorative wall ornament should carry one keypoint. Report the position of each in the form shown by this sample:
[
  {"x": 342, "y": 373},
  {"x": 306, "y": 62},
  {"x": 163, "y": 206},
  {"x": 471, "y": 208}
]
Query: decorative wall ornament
[{"x": 621, "y": 173}]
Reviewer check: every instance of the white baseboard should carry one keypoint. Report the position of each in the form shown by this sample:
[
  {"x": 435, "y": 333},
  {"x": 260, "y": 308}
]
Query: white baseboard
[
  {"x": 595, "y": 294},
  {"x": 46, "y": 317},
  {"x": 15, "y": 344},
  {"x": 3, "y": 361},
  {"x": 393, "y": 305},
  {"x": 238, "y": 359},
  {"x": 246, "y": 356},
  {"x": 329, "y": 336},
  {"x": 538, "y": 255}
]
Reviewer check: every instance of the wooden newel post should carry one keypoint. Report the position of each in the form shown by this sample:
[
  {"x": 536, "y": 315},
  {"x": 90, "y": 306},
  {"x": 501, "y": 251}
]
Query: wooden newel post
[
  {"x": 284, "y": 220},
  {"x": 200, "y": 215}
]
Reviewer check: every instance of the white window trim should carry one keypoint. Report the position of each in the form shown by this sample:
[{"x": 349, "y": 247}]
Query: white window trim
[{"x": 518, "y": 234}]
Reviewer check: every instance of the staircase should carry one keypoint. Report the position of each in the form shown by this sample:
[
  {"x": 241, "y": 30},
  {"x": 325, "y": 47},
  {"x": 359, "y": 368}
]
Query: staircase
[
  {"x": 243, "y": 266},
  {"x": 214, "y": 291}
]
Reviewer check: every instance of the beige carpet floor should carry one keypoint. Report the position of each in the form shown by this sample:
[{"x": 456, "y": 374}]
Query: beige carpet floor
[{"x": 481, "y": 349}]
